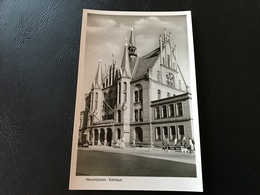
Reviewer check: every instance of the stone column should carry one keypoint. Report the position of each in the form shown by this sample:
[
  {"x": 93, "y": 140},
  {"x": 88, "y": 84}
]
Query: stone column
[
  {"x": 105, "y": 137},
  {"x": 93, "y": 137},
  {"x": 134, "y": 136},
  {"x": 99, "y": 143},
  {"x": 87, "y": 136}
]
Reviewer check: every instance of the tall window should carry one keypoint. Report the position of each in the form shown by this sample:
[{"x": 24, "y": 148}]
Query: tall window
[
  {"x": 136, "y": 115},
  {"x": 163, "y": 61},
  {"x": 136, "y": 96},
  {"x": 119, "y": 93},
  {"x": 141, "y": 114},
  {"x": 96, "y": 100},
  {"x": 171, "y": 110},
  {"x": 179, "y": 84},
  {"x": 164, "y": 112},
  {"x": 157, "y": 112},
  {"x": 159, "y": 94},
  {"x": 138, "y": 93},
  {"x": 119, "y": 116},
  {"x": 179, "y": 109},
  {"x": 157, "y": 133},
  {"x": 125, "y": 90}
]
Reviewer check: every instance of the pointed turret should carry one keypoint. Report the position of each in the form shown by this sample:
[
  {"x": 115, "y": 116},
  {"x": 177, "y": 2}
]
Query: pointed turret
[
  {"x": 125, "y": 63},
  {"x": 98, "y": 78},
  {"x": 132, "y": 45}
]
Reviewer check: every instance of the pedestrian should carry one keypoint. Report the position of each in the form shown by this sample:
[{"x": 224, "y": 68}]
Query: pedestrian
[
  {"x": 193, "y": 142},
  {"x": 183, "y": 141},
  {"x": 122, "y": 144},
  {"x": 175, "y": 143},
  {"x": 163, "y": 144},
  {"x": 117, "y": 144},
  {"x": 191, "y": 145},
  {"x": 167, "y": 144}
]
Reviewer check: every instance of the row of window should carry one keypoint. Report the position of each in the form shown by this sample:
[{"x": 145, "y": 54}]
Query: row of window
[
  {"x": 171, "y": 133},
  {"x": 170, "y": 110}
]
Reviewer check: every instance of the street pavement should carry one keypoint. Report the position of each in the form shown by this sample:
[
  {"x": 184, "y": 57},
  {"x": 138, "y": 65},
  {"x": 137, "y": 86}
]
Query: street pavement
[{"x": 108, "y": 161}]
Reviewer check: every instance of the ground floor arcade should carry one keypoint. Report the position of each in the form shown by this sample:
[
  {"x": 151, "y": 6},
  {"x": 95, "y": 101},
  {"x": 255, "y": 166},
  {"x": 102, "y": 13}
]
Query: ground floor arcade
[{"x": 110, "y": 135}]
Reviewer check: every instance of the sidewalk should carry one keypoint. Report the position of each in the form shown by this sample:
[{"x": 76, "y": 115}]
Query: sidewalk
[{"x": 157, "y": 153}]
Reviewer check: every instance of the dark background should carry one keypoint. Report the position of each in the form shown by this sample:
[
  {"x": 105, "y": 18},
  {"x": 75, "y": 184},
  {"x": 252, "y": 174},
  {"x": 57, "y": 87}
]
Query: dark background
[{"x": 39, "y": 50}]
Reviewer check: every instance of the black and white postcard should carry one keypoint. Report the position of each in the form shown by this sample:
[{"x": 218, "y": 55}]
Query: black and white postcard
[{"x": 136, "y": 118}]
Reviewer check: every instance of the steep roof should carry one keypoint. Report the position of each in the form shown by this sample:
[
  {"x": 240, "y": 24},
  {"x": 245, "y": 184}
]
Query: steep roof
[{"x": 145, "y": 62}]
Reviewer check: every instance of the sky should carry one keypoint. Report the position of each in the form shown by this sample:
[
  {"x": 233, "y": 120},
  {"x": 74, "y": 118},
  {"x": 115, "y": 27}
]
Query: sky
[{"x": 106, "y": 36}]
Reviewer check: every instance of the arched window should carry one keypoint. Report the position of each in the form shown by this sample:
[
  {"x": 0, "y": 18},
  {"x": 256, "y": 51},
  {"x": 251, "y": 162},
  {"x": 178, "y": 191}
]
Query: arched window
[
  {"x": 180, "y": 84},
  {"x": 168, "y": 94}
]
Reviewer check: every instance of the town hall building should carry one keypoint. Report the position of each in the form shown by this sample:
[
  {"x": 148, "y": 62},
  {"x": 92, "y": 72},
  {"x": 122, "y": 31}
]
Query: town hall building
[{"x": 142, "y": 101}]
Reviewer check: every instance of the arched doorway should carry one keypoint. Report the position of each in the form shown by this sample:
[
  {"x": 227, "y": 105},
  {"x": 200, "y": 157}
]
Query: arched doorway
[
  {"x": 118, "y": 134},
  {"x": 109, "y": 137},
  {"x": 139, "y": 134},
  {"x": 102, "y": 136},
  {"x": 96, "y": 136}
]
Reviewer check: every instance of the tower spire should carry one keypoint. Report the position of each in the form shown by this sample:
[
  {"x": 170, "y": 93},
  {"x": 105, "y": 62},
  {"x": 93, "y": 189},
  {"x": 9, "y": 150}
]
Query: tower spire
[
  {"x": 132, "y": 45},
  {"x": 132, "y": 38},
  {"x": 98, "y": 78},
  {"x": 125, "y": 62}
]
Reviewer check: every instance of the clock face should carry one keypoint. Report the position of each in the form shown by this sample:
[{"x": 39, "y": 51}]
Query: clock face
[{"x": 169, "y": 79}]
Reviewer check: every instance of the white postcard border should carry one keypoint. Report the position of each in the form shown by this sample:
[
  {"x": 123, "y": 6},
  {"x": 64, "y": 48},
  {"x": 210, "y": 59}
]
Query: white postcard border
[{"x": 135, "y": 183}]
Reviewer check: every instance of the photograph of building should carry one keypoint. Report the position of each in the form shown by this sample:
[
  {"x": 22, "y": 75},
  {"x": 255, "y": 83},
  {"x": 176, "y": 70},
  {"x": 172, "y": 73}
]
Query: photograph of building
[
  {"x": 136, "y": 118},
  {"x": 141, "y": 101}
]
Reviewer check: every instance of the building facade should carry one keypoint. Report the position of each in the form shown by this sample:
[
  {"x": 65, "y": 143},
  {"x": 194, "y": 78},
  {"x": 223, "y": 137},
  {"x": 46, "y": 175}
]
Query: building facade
[{"x": 144, "y": 100}]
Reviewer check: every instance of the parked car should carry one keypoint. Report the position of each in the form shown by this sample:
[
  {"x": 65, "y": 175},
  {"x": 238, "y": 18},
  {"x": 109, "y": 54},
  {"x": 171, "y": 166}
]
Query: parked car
[{"x": 83, "y": 143}]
